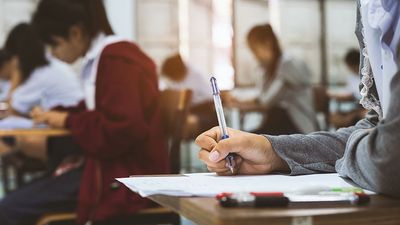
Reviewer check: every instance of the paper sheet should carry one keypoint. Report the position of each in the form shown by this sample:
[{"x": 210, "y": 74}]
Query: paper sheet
[
  {"x": 17, "y": 122},
  {"x": 209, "y": 184}
]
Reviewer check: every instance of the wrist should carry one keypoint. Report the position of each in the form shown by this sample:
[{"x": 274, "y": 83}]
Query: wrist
[{"x": 277, "y": 163}]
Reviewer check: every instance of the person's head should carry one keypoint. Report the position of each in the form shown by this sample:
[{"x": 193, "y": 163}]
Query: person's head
[
  {"x": 264, "y": 44},
  {"x": 6, "y": 67},
  {"x": 352, "y": 60},
  {"x": 174, "y": 68},
  {"x": 69, "y": 26},
  {"x": 23, "y": 51}
]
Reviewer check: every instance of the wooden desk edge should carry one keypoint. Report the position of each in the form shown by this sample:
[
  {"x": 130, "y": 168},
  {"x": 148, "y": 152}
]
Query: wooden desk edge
[
  {"x": 185, "y": 207},
  {"x": 43, "y": 131}
]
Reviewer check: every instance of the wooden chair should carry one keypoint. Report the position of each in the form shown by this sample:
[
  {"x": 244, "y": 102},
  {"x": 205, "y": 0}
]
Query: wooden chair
[
  {"x": 321, "y": 104},
  {"x": 174, "y": 106}
]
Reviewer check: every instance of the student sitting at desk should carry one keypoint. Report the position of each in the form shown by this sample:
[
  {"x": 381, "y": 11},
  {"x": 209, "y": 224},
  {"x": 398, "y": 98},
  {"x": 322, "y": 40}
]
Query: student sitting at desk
[
  {"x": 285, "y": 89},
  {"x": 367, "y": 153},
  {"x": 119, "y": 130},
  {"x": 180, "y": 75},
  {"x": 36, "y": 80}
]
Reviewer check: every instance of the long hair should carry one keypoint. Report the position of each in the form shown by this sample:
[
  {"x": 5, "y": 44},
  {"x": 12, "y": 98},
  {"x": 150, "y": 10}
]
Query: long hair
[
  {"x": 263, "y": 34},
  {"x": 56, "y": 17},
  {"x": 24, "y": 42},
  {"x": 4, "y": 57}
]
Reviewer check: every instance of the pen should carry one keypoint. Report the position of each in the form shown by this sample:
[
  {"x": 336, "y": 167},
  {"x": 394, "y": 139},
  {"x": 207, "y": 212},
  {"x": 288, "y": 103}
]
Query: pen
[
  {"x": 266, "y": 199},
  {"x": 221, "y": 121},
  {"x": 278, "y": 199}
]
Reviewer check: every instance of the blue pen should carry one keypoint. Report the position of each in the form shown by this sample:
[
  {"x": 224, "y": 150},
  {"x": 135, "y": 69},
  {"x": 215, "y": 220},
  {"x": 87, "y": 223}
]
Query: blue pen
[{"x": 221, "y": 121}]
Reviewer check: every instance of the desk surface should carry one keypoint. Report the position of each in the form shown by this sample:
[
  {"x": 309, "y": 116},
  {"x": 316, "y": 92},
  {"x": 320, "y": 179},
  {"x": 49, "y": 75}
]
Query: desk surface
[
  {"x": 37, "y": 131},
  {"x": 206, "y": 211}
]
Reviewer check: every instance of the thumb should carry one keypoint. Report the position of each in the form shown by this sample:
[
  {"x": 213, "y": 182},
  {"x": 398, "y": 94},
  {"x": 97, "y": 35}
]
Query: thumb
[{"x": 223, "y": 148}]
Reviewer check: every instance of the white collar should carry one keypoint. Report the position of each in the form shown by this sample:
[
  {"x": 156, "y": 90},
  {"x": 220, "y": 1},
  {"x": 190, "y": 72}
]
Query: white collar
[{"x": 96, "y": 46}]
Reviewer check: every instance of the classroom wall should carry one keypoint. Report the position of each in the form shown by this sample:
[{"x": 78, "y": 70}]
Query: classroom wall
[
  {"x": 298, "y": 26},
  {"x": 122, "y": 16},
  {"x": 155, "y": 25},
  {"x": 13, "y": 12},
  {"x": 246, "y": 15}
]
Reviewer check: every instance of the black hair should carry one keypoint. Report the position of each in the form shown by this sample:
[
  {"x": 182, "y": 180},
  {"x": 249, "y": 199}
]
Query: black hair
[
  {"x": 174, "y": 67},
  {"x": 24, "y": 42},
  {"x": 352, "y": 57},
  {"x": 4, "y": 57},
  {"x": 262, "y": 34},
  {"x": 56, "y": 17}
]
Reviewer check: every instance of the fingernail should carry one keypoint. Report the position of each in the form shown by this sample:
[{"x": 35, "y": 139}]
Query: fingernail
[{"x": 214, "y": 155}]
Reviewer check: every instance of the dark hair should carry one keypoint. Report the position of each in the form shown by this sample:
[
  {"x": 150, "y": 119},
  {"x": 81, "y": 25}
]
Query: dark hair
[
  {"x": 56, "y": 17},
  {"x": 263, "y": 34},
  {"x": 174, "y": 67},
  {"x": 4, "y": 57},
  {"x": 24, "y": 42},
  {"x": 352, "y": 57}
]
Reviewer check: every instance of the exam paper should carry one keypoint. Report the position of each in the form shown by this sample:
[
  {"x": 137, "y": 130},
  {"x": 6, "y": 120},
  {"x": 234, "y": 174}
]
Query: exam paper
[
  {"x": 17, "y": 122},
  {"x": 209, "y": 184}
]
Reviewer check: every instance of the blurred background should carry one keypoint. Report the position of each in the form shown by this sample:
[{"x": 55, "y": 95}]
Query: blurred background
[{"x": 211, "y": 36}]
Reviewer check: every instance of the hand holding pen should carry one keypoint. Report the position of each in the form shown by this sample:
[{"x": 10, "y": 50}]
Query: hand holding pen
[
  {"x": 230, "y": 158},
  {"x": 254, "y": 153}
]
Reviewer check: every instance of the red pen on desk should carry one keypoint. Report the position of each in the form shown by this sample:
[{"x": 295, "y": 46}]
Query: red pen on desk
[{"x": 253, "y": 199}]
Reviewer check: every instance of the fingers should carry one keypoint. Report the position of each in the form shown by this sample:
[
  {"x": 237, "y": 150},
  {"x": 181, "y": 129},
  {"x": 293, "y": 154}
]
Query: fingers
[
  {"x": 224, "y": 147},
  {"x": 36, "y": 111},
  {"x": 208, "y": 139},
  {"x": 221, "y": 167},
  {"x": 204, "y": 156},
  {"x": 37, "y": 115}
]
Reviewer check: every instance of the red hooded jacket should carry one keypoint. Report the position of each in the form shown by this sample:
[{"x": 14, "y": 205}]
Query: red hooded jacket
[{"x": 123, "y": 136}]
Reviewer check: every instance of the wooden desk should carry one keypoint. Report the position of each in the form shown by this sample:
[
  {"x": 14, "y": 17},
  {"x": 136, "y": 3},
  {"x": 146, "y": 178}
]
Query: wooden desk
[
  {"x": 35, "y": 131},
  {"x": 206, "y": 211}
]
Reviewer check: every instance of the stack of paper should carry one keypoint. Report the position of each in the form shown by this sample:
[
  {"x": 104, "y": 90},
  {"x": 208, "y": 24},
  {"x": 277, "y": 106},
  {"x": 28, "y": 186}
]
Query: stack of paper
[{"x": 209, "y": 184}]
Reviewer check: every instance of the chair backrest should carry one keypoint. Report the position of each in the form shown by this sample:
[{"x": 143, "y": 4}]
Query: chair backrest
[
  {"x": 321, "y": 104},
  {"x": 175, "y": 106}
]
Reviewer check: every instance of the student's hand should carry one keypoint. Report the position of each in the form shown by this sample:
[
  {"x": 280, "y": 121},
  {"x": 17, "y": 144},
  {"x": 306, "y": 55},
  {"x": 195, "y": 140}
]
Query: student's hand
[
  {"x": 55, "y": 119},
  {"x": 37, "y": 115},
  {"x": 255, "y": 154}
]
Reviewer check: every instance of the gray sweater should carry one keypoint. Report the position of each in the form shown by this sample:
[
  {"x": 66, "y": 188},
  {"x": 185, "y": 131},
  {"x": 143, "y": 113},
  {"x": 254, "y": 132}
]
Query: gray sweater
[{"x": 367, "y": 153}]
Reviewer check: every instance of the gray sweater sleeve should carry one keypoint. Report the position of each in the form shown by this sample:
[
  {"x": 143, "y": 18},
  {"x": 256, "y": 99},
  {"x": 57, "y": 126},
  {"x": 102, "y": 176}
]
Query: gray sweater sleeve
[{"x": 367, "y": 153}]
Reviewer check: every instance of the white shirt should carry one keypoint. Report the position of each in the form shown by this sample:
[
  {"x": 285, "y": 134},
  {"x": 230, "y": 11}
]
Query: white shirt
[
  {"x": 195, "y": 81},
  {"x": 5, "y": 86},
  {"x": 380, "y": 19},
  {"x": 48, "y": 86},
  {"x": 90, "y": 65}
]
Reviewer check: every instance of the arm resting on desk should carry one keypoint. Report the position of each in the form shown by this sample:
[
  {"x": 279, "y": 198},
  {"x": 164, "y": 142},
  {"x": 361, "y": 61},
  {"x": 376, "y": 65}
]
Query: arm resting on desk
[{"x": 368, "y": 153}]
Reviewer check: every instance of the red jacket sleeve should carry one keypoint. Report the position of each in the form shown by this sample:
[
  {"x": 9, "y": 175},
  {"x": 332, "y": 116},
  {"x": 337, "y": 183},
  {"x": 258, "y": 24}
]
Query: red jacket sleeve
[{"x": 118, "y": 122}]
